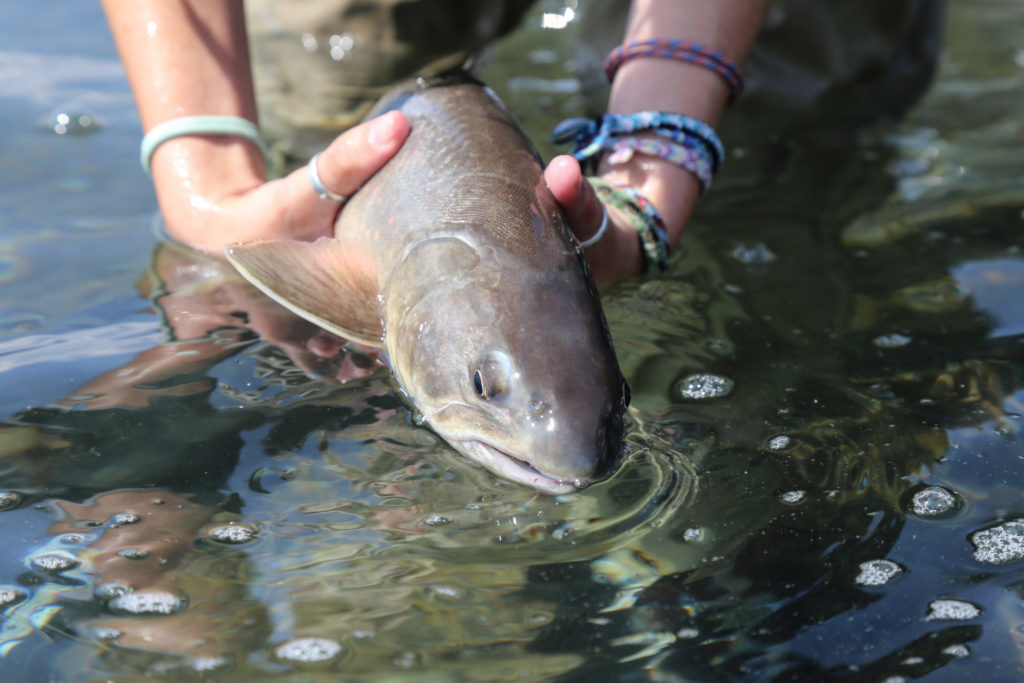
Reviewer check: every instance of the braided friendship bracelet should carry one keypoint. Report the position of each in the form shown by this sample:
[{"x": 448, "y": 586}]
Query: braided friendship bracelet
[
  {"x": 644, "y": 218},
  {"x": 679, "y": 154},
  {"x": 197, "y": 125},
  {"x": 697, "y": 147},
  {"x": 679, "y": 50}
]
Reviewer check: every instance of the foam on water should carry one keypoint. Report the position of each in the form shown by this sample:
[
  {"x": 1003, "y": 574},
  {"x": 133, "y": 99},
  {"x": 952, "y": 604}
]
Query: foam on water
[
  {"x": 703, "y": 387},
  {"x": 957, "y": 650},
  {"x": 124, "y": 519},
  {"x": 999, "y": 544},
  {"x": 147, "y": 602},
  {"x": 53, "y": 563},
  {"x": 793, "y": 497},
  {"x": 232, "y": 533},
  {"x": 935, "y": 501},
  {"x": 11, "y": 595},
  {"x": 891, "y": 341},
  {"x": 308, "y": 650},
  {"x": 877, "y": 572},
  {"x": 948, "y": 609}
]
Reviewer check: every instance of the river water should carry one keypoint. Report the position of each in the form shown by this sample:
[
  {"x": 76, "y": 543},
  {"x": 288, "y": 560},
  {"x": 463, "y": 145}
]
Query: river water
[{"x": 824, "y": 469}]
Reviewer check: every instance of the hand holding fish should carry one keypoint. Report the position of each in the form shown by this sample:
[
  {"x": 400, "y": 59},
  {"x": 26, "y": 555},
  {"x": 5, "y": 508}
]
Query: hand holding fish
[{"x": 215, "y": 208}]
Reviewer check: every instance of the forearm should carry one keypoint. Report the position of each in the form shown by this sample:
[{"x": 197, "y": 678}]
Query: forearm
[
  {"x": 728, "y": 26},
  {"x": 188, "y": 58}
]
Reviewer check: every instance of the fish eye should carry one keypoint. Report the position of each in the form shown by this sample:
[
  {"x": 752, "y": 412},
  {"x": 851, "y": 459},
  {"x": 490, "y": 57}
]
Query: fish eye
[{"x": 491, "y": 375}]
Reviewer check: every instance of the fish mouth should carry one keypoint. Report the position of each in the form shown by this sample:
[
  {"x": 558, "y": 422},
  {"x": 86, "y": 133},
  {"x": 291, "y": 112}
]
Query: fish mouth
[{"x": 516, "y": 469}]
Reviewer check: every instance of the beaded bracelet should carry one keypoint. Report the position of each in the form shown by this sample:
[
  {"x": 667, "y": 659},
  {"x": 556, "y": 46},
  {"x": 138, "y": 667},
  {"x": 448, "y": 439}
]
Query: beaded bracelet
[
  {"x": 197, "y": 125},
  {"x": 644, "y": 218},
  {"x": 680, "y": 50}
]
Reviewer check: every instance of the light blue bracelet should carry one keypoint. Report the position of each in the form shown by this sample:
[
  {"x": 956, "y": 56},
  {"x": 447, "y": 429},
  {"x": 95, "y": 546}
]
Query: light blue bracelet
[{"x": 198, "y": 125}]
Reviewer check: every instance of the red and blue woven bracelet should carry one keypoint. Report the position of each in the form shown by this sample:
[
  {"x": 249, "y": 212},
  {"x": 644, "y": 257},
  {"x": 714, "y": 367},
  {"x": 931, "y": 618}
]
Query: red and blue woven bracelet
[{"x": 680, "y": 50}]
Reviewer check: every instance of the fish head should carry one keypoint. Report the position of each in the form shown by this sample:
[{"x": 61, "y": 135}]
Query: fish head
[{"x": 512, "y": 365}]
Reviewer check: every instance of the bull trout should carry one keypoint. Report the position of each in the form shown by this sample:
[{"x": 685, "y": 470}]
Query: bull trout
[{"x": 456, "y": 260}]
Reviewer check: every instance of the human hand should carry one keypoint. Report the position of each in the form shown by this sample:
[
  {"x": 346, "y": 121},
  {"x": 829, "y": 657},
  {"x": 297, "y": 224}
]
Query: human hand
[
  {"x": 207, "y": 201},
  {"x": 618, "y": 255}
]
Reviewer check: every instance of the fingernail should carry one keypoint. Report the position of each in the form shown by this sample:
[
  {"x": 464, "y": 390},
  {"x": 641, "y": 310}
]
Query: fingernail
[{"x": 385, "y": 130}]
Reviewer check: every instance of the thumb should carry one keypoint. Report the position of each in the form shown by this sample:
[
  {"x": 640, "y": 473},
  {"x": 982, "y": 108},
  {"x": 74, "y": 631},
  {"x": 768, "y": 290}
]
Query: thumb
[
  {"x": 579, "y": 202},
  {"x": 343, "y": 167}
]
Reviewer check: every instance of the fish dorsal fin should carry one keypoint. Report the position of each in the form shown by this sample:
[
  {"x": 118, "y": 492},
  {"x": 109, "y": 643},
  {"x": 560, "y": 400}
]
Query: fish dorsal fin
[{"x": 323, "y": 281}]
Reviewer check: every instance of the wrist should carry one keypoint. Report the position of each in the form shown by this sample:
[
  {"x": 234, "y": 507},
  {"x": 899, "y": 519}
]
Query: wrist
[
  {"x": 672, "y": 190},
  {"x": 196, "y": 177}
]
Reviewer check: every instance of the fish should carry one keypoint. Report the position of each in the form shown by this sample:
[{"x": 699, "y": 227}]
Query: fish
[{"x": 456, "y": 260}]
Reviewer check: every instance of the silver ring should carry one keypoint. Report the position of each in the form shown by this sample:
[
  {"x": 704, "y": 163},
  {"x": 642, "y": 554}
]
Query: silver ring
[
  {"x": 596, "y": 237},
  {"x": 318, "y": 185}
]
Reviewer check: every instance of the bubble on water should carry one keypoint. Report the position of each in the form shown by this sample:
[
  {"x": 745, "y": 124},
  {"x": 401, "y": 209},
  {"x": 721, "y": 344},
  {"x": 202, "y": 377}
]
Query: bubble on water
[
  {"x": 793, "y": 497},
  {"x": 133, "y": 554},
  {"x": 449, "y": 592},
  {"x": 73, "y": 539},
  {"x": 11, "y": 595},
  {"x": 891, "y": 341},
  {"x": 693, "y": 534},
  {"x": 933, "y": 502},
  {"x": 913, "y": 661},
  {"x": 957, "y": 650},
  {"x": 308, "y": 650},
  {"x": 999, "y": 544},
  {"x": 948, "y": 609},
  {"x": 53, "y": 563},
  {"x": 209, "y": 663},
  {"x": 687, "y": 632},
  {"x": 124, "y": 519},
  {"x": 753, "y": 254},
  {"x": 147, "y": 602},
  {"x": 877, "y": 572},
  {"x": 703, "y": 387},
  {"x": 9, "y": 500},
  {"x": 106, "y": 633},
  {"x": 779, "y": 443},
  {"x": 436, "y": 520},
  {"x": 408, "y": 660},
  {"x": 106, "y": 591},
  {"x": 232, "y": 533}
]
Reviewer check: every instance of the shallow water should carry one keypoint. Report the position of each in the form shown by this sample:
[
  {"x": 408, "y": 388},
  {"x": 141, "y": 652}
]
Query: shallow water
[{"x": 843, "y": 507}]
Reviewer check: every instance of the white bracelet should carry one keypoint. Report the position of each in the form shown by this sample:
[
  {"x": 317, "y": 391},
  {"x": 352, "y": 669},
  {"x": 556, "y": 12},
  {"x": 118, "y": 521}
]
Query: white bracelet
[{"x": 198, "y": 125}]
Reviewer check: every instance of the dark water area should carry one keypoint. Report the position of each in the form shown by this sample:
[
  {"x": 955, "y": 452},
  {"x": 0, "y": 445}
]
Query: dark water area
[{"x": 824, "y": 469}]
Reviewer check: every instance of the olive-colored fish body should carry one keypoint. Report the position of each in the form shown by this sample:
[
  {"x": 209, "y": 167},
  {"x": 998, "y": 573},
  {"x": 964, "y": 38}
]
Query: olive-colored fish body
[{"x": 456, "y": 259}]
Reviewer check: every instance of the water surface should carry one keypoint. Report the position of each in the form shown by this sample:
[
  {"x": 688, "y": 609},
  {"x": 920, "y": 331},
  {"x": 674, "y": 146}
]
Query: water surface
[{"x": 824, "y": 467}]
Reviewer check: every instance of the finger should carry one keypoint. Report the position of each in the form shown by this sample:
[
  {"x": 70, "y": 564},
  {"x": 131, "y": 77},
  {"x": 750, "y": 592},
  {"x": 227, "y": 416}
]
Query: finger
[
  {"x": 343, "y": 167},
  {"x": 576, "y": 196},
  {"x": 356, "y": 155}
]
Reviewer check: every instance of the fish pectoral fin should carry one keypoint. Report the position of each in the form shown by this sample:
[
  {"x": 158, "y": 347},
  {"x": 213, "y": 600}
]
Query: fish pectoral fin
[{"x": 323, "y": 282}]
